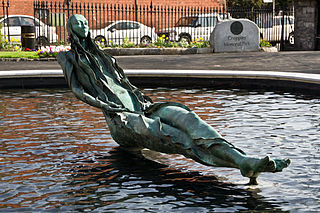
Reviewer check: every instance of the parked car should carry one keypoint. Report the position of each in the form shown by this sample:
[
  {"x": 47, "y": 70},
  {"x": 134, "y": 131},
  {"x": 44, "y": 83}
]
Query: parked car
[
  {"x": 118, "y": 31},
  {"x": 45, "y": 34},
  {"x": 193, "y": 27},
  {"x": 271, "y": 28}
]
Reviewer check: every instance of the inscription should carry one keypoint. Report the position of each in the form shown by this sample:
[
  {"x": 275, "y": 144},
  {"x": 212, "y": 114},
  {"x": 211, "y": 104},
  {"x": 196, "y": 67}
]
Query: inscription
[{"x": 236, "y": 41}]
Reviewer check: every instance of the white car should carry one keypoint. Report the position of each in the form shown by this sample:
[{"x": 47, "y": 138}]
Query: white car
[
  {"x": 190, "y": 28},
  {"x": 271, "y": 28},
  {"x": 119, "y": 31},
  {"x": 11, "y": 26}
]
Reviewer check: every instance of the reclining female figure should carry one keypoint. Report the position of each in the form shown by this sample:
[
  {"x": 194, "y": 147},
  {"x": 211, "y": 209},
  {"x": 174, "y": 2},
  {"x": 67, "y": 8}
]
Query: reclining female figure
[{"x": 136, "y": 122}]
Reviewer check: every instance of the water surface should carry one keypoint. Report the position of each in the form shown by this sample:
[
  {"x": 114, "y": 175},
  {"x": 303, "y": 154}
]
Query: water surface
[{"x": 56, "y": 154}]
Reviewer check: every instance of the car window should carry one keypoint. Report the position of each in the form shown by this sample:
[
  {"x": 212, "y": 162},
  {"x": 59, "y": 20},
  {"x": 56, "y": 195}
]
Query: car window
[
  {"x": 134, "y": 25},
  {"x": 288, "y": 20},
  {"x": 12, "y": 21},
  {"x": 128, "y": 25},
  {"x": 277, "y": 21},
  {"x": 27, "y": 21},
  {"x": 207, "y": 21},
  {"x": 202, "y": 22},
  {"x": 118, "y": 26},
  {"x": 187, "y": 22},
  {"x": 212, "y": 21}
]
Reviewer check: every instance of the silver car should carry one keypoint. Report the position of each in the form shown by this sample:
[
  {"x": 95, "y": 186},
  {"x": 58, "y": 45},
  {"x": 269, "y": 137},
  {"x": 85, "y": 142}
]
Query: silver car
[
  {"x": 271, "y": 28},
  {"x": 192, "y": 27},
  {"x": 11, "y": 26},
  {"x": 118, "y": 31}
]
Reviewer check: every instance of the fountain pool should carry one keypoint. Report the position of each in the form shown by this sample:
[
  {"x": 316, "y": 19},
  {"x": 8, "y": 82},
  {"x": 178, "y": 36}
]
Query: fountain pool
[{"x": 56, "y": 154}]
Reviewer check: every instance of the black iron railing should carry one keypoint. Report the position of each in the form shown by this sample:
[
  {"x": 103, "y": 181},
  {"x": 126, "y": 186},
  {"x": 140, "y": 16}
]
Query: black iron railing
[
  {"x": 4, "y": 13},
  {"x": 115, "y": 24},
  {"x": 276, "y": 24}
]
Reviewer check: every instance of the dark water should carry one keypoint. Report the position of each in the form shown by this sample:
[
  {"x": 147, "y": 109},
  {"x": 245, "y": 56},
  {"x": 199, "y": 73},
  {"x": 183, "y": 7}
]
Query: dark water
[{"x": 56, "y": 154}]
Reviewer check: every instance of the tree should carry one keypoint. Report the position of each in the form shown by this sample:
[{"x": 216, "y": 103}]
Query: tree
[
  {"x": 244, "y": 3},
  {"x": 257, "y": 3}
]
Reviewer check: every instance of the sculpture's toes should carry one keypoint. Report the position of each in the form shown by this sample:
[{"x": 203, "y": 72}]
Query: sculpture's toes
[
  {"x": 253, "y": 167},
  {"x": 266, "y": 165},
  {"x": 281, "y": 164}
]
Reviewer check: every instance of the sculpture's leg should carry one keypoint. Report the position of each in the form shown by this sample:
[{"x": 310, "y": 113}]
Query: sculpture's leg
[{"x": 211, "y": 149}]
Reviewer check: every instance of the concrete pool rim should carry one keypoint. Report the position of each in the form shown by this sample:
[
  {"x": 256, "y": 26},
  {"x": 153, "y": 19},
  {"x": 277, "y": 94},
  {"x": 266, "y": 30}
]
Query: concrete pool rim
[{"x": 174, "y": 78}]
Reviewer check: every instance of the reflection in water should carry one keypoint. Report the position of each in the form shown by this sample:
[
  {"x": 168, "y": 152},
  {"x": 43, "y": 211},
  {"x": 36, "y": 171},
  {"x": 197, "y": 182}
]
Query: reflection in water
[
  {"x": 56, "y": 153},
  {"x": 135, "y": 184}
]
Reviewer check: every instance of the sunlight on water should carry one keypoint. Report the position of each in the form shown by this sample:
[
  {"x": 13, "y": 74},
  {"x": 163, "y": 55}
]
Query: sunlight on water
[{"x": 56, "y": 154}]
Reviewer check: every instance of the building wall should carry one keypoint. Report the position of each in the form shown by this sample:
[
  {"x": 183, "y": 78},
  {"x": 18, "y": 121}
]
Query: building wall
[
  {"x": 306, "y": 24},
  {"x": 25, "y": 7}
]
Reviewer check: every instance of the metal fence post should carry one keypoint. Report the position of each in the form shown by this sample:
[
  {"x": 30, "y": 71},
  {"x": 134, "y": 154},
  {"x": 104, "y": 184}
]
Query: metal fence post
[
  {"x": 67, "y": 2},
  {"x": 135, "y": 10},
  {"x": 282, "y": 30},
  {"x": 151, "y": 7},
  {"x": 7, "y": 12},
  {"x": 160, "y": 18}
]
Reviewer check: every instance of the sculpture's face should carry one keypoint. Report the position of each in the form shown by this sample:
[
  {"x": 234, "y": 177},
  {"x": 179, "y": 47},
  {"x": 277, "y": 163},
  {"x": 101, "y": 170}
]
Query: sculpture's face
[{"x": 80, "y": 26}]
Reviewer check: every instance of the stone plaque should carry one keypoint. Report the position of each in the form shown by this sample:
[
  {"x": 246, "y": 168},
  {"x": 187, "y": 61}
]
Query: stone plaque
[{"x": 235, "y": 35}]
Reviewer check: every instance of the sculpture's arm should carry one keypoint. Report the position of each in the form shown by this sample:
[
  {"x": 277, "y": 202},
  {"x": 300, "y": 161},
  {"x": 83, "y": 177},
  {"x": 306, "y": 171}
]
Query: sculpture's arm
[{"x": 78, "y": 90}]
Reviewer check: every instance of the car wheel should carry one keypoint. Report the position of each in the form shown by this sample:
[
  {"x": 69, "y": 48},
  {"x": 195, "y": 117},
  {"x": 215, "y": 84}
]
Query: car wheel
[
  {"x": 185, "y": 38},
  {"x": 100, "y": 40},
  {"x": 145, "y": 40},
  {"x": 42, "y": 41},
  {"x": 291, "y": 39}
]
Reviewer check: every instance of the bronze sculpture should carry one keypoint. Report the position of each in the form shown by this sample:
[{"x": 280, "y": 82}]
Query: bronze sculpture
[{"x": 136, "y": 122}]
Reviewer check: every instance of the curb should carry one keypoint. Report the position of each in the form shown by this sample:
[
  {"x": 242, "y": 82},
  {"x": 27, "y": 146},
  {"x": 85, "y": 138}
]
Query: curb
[
  {"x": 156, "y": 51},
  {"x": 285, "y": 81},
  {"x": 28, "y": 59},
  {"x": 144, "y": 51},
  {"x": 132, "y": 51},
  {"x": 44, "y": 78},
  {"x": 264, "y": 75}
]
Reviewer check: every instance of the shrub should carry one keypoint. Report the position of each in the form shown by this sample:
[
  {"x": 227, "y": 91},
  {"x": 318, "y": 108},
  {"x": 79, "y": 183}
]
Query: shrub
[{"x": 264, "y": 43}]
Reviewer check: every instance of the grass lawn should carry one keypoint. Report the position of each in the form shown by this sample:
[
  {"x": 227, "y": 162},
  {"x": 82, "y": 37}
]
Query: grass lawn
[{"x": 18, "y": 54}]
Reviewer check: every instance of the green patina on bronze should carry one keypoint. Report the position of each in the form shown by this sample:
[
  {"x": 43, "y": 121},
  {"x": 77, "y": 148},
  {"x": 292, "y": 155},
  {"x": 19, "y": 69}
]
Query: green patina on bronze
[{"x": 136, "y": 122}]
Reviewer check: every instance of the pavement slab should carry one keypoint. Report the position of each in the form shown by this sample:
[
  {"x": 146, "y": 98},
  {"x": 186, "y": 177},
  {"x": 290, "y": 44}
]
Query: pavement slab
[{"x": 303, "y": 62}]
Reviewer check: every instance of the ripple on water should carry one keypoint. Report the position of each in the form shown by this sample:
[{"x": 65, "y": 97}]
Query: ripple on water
[{"x": 56, "y": 153}]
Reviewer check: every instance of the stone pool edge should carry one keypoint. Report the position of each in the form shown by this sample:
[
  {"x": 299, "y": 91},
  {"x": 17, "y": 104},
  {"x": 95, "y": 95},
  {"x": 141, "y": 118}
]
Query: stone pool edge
[{"x": 148, "y": 77}]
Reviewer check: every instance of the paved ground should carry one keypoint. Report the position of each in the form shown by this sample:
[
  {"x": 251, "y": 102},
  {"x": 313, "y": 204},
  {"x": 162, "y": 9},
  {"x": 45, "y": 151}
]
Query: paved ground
[{"x": 304, "y": 62}]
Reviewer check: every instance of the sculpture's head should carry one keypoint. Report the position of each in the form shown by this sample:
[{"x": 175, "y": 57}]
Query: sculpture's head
[{"x": 78, "y": 25}]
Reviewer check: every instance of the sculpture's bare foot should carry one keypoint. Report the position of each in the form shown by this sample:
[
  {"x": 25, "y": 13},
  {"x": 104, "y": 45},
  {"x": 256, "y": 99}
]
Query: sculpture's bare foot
[{"x": 252, "y": 167}]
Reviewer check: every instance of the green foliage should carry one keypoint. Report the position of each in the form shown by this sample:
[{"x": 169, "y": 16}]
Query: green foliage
[
  {"x": 47, "y": 54},
  {"x": 183, "y": 43},
  {"x": 161, "y": 42},
  {"x": 264, "y": 43},
  {"x": 257, "y": 3},
  {"x": 5, "y": 44},
  {"x": 18, "y": 54},
  {"x": 199, "y": 43},
  {"x": 1, "y": 36},
  {"x": 13, "y": 44},
  {"x": 245, "y": 3},
  {"x": 127, "y": 44}
]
